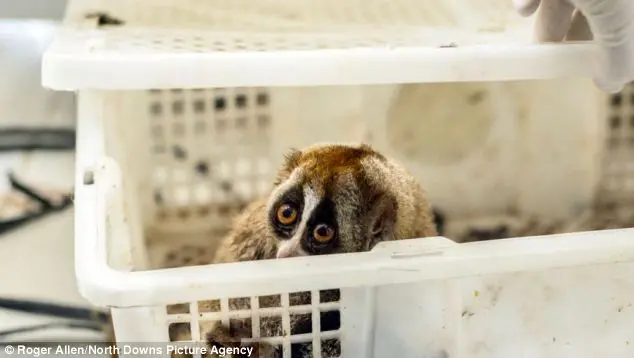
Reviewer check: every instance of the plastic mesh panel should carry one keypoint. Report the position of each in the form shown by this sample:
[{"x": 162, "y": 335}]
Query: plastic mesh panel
[
  {"x": 300, "y": 324},
  {"x": 209, "y": 150},
  {"x": 618, "y": 178}
]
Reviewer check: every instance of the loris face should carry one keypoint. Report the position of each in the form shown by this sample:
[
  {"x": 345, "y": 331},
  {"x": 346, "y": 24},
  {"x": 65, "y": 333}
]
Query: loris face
[{"x": 326, "y": 201}]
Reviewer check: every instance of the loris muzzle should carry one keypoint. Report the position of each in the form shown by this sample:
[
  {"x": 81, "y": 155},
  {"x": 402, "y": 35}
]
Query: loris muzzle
[{"x": 344, "y": 198}]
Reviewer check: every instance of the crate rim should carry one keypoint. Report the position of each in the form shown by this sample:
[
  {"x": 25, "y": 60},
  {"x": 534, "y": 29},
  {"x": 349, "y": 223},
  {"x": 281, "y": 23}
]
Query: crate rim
[
  {"x": 68, "y": 71},
  {"x": 389, "y": 263},
  {"x": 438, "y": 258}
]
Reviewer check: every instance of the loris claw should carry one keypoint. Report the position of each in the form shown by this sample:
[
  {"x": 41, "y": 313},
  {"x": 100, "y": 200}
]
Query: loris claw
[{"x": 223, "y": 337}]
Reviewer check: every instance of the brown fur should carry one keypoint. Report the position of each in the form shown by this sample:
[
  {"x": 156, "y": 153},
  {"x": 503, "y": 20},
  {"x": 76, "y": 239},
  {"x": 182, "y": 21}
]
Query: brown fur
[
  {"x": 328, "y": 162},
  {"x": 360, "y": 180},
  {"x": 251, "y": 237}
]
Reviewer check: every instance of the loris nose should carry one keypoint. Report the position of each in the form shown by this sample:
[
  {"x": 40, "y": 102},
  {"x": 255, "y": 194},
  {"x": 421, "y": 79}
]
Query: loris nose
[
  {"x": 285, "y": 251},
  {"x": 282, "y": 253}
]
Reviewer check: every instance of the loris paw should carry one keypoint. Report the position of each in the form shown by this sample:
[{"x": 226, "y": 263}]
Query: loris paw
[{"x": 220, "y": 339}]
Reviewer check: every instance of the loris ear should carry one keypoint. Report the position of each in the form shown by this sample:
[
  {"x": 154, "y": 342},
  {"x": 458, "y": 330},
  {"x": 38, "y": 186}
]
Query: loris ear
[
  {"x": 381, "y": 219},
  {"x": 291, "y": 159},
  {"x": 368, "y": 149},
  {"x": 290, "y": 162},
  {"x": 366, "y": 146}
]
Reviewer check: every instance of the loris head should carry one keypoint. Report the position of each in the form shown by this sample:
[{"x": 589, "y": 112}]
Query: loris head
[{"x": 333, "y": 199}]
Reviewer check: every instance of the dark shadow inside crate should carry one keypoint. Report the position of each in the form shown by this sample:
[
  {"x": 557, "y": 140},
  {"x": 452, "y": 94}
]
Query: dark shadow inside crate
[
  {"x": 234, "y": 109},
  {"x": 180, "y": 331}
]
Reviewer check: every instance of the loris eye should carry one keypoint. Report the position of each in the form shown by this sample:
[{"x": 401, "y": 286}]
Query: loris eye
[
  {"x": 286, "y": 214},
  {"x": 323, "y": 233}
]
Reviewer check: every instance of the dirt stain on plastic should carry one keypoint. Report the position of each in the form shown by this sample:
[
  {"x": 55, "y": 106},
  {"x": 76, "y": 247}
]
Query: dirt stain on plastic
[{"x": 104, "y": 19}]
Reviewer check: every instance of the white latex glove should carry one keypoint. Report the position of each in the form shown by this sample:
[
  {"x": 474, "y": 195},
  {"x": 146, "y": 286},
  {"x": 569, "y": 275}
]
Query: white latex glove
[{"x": 609, "y": 22}]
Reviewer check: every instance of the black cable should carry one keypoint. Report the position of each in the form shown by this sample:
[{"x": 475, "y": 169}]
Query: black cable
[
  {"x": 47, "y": 206},
  {"x": 73, "y": 325},
  {"x": 55, "y": 310},
  {"x": 24, "y": 189}
]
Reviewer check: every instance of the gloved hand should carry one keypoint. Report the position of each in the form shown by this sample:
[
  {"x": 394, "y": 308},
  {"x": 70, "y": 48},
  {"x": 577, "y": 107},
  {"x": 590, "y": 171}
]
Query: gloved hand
[{"x": 609, "y": 22}]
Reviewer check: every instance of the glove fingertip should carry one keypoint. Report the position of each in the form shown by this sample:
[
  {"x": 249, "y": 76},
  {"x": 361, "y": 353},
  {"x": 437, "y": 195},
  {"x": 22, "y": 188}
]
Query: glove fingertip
[
  {"x": 608, "y": 86},
  {"x": 553, "y": 21},
  {"x": 526, "y": 7}
]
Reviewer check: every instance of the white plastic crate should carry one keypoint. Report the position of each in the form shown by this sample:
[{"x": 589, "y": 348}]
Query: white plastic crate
[
  {"x": 161, "y": 171},
  {"x": 229, "y": 43}
]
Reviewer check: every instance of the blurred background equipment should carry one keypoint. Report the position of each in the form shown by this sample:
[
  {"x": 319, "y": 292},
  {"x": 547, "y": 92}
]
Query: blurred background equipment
[
  {"x": 72, "y": 317},
  {"x": 33, "y": 9},
  {"x": 32, "y": 116},
  {"x": 39, "y": 299}
]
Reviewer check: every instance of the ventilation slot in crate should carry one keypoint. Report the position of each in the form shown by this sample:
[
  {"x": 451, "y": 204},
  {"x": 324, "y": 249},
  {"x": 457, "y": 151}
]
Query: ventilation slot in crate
[
  {"x": 209, "y": 150},
  {"x": 618, "y": 179},
  {"x": 300, "y": 324}
]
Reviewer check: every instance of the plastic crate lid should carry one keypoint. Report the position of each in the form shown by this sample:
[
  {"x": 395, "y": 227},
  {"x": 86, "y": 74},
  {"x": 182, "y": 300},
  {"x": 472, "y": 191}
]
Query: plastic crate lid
[{"x": 141, "y": 44}]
